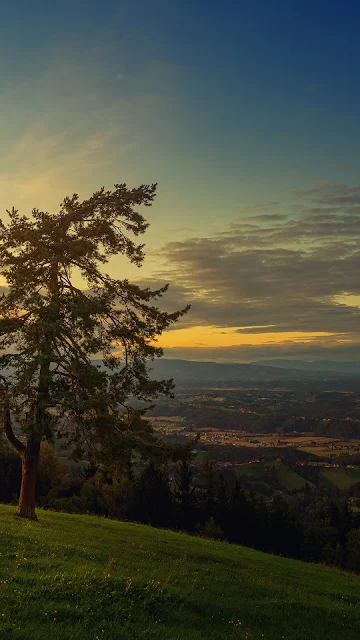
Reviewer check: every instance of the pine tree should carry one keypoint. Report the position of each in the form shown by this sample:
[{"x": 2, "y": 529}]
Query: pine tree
[
  {"x": 51, "y": 330},
  {"x": 239, "y": 515},
  {"x": 207, "y": 499},
  {"x": 153, "y": 502},
  {"x": 186, "y": 511},
  {"x": 353, "y": 549},
  {"x": 221, "y": 507}
]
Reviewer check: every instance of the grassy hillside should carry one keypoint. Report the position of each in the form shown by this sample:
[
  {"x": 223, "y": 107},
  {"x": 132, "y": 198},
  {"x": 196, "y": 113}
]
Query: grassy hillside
[
  {"x": 79, "y": 577},
  {"x": 290, "y": 479},
  {"x": 341, "y": 478}
]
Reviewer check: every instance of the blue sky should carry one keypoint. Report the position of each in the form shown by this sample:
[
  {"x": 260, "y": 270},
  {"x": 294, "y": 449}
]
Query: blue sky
[
  {"x": 229, "y": 100},
  {"x": 228, "y": 105}
]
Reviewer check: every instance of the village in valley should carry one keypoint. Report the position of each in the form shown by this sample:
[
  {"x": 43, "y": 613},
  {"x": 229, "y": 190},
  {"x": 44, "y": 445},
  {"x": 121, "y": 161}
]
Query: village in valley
[{"x": 282, "y": 437}]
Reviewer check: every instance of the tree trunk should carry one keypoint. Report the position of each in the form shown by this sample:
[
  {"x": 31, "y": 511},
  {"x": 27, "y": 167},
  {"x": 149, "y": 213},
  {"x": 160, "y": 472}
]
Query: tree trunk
[
  {"x": 26, "y": 506},
  {"x": 30, "y": 457}
]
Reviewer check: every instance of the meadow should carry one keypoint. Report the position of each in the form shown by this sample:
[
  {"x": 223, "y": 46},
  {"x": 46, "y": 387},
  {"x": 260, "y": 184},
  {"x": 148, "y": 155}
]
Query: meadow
[{"x": 87, "y": 578}]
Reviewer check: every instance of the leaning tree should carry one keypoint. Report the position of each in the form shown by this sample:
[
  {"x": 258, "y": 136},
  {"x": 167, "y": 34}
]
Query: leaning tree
[{"x": 76, "y": 343}]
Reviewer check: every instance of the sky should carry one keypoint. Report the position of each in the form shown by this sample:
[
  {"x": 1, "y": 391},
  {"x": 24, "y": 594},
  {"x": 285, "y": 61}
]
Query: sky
[{"x": 246, "y": 113}]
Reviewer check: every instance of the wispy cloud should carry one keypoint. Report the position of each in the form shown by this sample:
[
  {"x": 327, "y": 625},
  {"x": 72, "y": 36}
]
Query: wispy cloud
[{"x": 74, "y": 125}]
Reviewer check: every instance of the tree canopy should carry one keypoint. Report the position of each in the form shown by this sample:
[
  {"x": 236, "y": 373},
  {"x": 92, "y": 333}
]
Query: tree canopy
[{"x": 52, "y": 330}]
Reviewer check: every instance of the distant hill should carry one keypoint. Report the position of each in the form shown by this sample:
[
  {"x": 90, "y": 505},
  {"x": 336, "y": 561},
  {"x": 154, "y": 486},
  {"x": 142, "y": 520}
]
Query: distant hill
[
  {"x": 260, "y": 371},
  {"x": 82, "y": 577},
  {"x": 347, "y": 368},
  {"x": 188, "y": 370},
  {"x": 224, "y": 372},
  {"x": 256, "y": 371}
]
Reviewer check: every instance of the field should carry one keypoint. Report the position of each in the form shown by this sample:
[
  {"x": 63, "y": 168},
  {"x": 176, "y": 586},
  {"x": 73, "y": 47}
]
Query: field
[
  {"x": 288, "y": 479},
  {"x": 85, "y": 578},
  {"x": 307, "y": 442},
  {"x": 291, "y": 480},
  {"x": 341, "y": 478},
  {"x": 160, "y": 420},
  {"x": 167, "y": 425}
]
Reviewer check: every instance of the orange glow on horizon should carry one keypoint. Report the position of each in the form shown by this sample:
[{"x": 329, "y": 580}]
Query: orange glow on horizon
[{"x": 209, "y": 336}]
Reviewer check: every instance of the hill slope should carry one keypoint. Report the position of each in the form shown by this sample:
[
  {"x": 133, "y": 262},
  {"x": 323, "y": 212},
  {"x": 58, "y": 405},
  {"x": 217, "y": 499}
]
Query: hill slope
[{"x": 79, "y": 577}]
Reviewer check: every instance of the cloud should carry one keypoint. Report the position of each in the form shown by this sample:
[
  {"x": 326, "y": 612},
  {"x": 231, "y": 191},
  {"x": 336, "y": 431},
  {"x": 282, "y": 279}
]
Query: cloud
[
  {"x": 330, "y": 194},
  {"x": 290, "y": 271},
  {"x": 40, "y": 166},
  {"x": 268, "y": 217},
  {"x": 72, "y": 124},
  {"x": 258, "y": 206}
]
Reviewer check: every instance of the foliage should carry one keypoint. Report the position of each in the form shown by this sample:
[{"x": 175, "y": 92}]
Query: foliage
[
  {"x": 153, "y": 500},
  {"x": 10, "y": 472},
  {"x": 51, "y": 330},
  {"x": 53, "y": 477},
  {"x": 354, "y": 550},
  {"x": 210, "y": 530},
  {"x": 314, "y": 524}
]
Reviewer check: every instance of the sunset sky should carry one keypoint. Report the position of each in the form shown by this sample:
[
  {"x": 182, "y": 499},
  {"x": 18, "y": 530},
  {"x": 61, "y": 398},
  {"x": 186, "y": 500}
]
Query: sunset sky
[{"x": 246, "y": 113}]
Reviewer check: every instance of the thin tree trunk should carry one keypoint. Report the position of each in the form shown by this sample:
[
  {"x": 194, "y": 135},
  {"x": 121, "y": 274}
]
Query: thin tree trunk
[
  {"x": 26, "y": 506},
  {"x": 30, "y": 457}
]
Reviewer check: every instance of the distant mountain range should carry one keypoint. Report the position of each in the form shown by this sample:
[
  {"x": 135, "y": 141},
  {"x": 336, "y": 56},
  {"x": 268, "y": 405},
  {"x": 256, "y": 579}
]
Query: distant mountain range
[
  {"x": 190, "y": 370},
  {"x": 260, "y": 371},
  {"x": 348, "y": 368},
  {"x": 268, "y": 370}
]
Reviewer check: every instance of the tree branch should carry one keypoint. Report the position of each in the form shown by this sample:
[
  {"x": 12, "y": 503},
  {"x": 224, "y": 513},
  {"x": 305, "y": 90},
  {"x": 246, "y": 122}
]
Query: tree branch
[{"x": 14, "y": 441}]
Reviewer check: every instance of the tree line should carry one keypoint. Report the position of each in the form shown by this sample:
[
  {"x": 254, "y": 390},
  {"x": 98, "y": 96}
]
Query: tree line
[{"x": 315, "y": 524}]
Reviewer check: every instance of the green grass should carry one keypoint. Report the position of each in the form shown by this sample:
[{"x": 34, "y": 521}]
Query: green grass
[
  {"x": 246, "y": 469},
  {"x": 354, "y": 473},
  {"x": 341, "y": 478},
  {"x": 200, "y": 456},
  {"x": 76, "y": 577},
  {"x": 290, "y": 479},
  {"x": 314, "y": 450}
]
